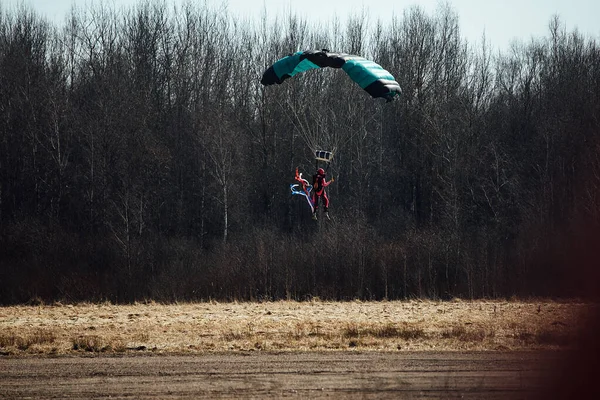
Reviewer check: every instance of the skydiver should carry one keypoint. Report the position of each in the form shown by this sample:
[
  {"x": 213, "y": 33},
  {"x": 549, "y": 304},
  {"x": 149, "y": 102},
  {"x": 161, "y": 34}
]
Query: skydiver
[{"x": 319, "y": 185}]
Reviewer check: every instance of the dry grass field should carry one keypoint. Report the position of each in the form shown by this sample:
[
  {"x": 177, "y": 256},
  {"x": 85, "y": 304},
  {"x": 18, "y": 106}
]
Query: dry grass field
[{"x": 289, "y": 326}]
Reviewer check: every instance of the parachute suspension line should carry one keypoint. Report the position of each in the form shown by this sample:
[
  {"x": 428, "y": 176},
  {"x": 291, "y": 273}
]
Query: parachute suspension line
[
  {"x": 302, "y": 126},
  {"x": 309, "y": 136},
  {"x": 321, "y": 137},
  {"x": 295, "y": 121},
  {"x": 380, "y": 139},
  {"x": 315, "y": 138},
  {"x": 326, "y": 135}
]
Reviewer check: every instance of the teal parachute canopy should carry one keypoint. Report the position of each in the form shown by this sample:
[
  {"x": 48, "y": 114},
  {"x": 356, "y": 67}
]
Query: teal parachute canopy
[{"x": 367, "y": 74}]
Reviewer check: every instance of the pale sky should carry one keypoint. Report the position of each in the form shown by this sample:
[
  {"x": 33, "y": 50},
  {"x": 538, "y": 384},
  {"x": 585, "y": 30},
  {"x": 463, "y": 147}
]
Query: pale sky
[{"x": 502, "y": 20}]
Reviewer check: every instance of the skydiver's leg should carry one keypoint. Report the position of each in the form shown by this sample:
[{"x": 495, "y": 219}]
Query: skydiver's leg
[
  {"x": 325, "y": 201},
  {"x": 325, "y": 204}
]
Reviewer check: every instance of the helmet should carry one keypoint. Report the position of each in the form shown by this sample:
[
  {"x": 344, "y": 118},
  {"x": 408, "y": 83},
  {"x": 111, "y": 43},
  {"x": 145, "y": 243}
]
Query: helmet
[{"x": 321, "y": 171}]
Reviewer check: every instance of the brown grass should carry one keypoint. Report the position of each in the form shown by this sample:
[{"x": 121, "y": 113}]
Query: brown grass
[
  {"x": 288, "y": 326},
  {"x": 389, "y": 330},
  {"x": 33, "y": 338}
]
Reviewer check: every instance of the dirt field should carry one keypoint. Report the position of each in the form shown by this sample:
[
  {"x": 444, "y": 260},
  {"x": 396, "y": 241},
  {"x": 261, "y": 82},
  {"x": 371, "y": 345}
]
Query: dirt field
[
  {"x": 288, "y": 326},
  {"x": 264, "y": 375}
]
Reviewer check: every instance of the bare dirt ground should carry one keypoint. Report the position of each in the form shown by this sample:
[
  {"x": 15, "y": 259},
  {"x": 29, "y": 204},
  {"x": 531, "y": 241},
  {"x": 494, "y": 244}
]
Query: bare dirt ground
[
  {"x": 316, "y": 349},
  {"x": 306, "y": 375}
]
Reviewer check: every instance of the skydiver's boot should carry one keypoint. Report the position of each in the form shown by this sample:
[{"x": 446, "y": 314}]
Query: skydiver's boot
[
  {"x": 327, "y": 215},
  {"x": 314, "y": 215}
]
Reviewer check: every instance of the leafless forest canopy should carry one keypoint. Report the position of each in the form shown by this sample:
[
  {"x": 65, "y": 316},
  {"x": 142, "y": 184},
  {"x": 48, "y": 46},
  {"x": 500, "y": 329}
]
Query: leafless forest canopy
[{"x": 140, "y": 158}]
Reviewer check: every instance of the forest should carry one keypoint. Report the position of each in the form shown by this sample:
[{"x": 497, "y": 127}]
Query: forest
[{"x": 141, "y": 159}]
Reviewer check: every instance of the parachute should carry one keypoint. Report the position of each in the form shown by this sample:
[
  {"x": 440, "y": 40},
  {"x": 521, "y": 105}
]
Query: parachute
[{"x": 367, "y": 74}]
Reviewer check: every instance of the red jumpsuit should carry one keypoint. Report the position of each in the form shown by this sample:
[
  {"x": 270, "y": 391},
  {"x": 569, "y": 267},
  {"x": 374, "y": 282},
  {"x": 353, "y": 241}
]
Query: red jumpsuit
[{"x": 319, "y": 185}]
